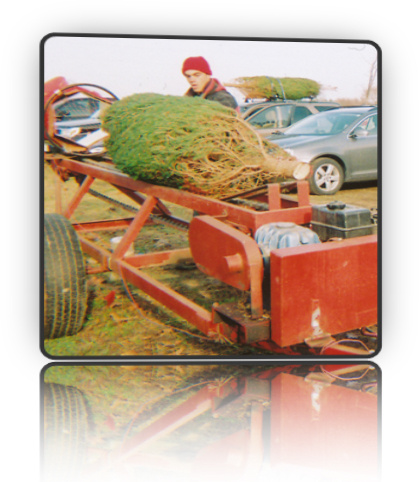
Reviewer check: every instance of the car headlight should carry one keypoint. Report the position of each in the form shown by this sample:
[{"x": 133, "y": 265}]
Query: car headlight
[
  {"x": 97, "y": 150},
  {"x": 290, "y": 152},
  {"x": 69, "y": 132}
]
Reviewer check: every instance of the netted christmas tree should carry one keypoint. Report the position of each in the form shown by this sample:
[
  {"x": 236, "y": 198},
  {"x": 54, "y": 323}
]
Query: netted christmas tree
[
  {"x": 192, "y": 144},
  {"x": 264, "y": 87}
]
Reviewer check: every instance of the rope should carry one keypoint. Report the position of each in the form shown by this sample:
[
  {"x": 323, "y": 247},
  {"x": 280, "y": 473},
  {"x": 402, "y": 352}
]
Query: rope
[{"x": 340, "y": 342}]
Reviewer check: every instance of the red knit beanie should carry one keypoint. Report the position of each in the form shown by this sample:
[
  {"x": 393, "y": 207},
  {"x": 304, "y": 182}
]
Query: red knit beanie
[{"x": 196, "y": 63}]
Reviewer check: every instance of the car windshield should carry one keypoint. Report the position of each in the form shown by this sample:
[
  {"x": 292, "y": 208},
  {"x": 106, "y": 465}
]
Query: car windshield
[
  {"x": 325, "y": 123},
  {"x": 79, "y": 108}
]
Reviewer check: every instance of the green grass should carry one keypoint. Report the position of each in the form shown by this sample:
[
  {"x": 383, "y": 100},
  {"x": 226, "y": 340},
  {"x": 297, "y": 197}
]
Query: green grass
[{"x": 135, "y": 325}]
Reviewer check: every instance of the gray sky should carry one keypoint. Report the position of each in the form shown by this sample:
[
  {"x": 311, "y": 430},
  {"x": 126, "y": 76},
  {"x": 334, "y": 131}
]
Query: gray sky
[{"x": 134, "y": 65}]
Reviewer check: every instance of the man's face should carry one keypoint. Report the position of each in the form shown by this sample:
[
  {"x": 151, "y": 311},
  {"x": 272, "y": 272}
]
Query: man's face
[{"x": 197, "y": 80}]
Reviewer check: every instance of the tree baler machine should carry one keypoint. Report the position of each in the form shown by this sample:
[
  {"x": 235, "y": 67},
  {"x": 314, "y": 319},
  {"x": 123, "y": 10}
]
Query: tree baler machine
[{"x": 310, "y": 272}]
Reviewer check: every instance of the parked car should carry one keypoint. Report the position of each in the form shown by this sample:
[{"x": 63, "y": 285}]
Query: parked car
[
  {"x": 275, "y": 116},
  {"x": 78, "y": 120},
  {"x": 340, "y": 144},
  {"x": 77, "y": 116}
]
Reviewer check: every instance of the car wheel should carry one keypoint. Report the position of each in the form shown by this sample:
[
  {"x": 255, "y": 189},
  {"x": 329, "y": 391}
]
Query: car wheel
[{"x": 327, "y": 177}]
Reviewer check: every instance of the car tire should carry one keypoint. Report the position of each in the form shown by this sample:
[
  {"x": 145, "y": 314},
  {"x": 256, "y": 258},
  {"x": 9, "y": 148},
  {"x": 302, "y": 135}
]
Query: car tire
[
  {"x": 327, "y": 176},
  {"x": 65, "y": 280}
]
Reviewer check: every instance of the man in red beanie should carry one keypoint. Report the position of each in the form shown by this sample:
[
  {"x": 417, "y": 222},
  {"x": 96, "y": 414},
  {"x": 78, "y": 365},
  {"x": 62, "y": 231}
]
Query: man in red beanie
[{"x": 198, "y": 73}]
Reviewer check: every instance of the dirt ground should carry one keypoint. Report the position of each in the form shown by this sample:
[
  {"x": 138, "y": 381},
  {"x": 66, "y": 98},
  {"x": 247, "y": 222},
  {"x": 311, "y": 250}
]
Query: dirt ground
[
  {"x": 123, "y": 322},
  {"x": 358, "y": 194}
]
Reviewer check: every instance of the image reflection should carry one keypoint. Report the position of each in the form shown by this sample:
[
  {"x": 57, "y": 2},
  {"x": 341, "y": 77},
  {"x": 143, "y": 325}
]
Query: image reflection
[{"x": 210, "y": 422}]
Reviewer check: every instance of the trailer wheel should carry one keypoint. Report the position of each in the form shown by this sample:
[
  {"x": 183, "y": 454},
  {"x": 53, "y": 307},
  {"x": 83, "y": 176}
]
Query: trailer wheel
[
  {"x": 66, "y": 430},
  {"x": 65, "y": 288}
]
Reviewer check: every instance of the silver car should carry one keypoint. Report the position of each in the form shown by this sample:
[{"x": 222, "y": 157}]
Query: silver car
[{"x": 340, "y": 144}]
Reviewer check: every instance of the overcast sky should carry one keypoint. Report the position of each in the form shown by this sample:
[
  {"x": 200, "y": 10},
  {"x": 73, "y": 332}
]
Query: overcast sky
[{"x": 134, "y": 65}]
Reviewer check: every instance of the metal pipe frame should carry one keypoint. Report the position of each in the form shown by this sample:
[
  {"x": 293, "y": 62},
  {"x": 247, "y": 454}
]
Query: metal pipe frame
[
  {"x": 300, "y": 213},
  {"x": 150, "y": 197},
  {"x": 150, "y": 200}
]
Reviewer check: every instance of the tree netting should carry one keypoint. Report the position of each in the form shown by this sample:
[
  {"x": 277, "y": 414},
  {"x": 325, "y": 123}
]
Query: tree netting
[
  {"x": 264, "y": 87},
  {"x": 193, "y": 144}
]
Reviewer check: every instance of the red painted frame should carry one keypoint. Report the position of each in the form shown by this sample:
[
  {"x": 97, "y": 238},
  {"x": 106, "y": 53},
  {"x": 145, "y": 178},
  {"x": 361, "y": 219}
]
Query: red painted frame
[
  {"x": 323, "y": 289},
  {"x": 225, "y": 218},
  {"x": 313, "y": 422}
]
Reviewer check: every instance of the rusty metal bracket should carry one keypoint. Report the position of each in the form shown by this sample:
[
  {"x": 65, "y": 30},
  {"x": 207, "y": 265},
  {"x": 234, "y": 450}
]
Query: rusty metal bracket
[{"x": 240, "y": 326}]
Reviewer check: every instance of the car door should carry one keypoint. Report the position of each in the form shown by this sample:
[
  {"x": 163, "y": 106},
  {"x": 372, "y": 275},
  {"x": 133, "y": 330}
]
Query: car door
[{"x": 361, "y": 152}]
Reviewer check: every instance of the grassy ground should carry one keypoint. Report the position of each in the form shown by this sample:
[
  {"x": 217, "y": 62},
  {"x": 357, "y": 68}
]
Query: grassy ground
[
  {"x": 121, "y": 321},
  {"x": 102, "y": 407},
  {"x": 134, "y": 325},
  {"x": 92, "y": 414}
]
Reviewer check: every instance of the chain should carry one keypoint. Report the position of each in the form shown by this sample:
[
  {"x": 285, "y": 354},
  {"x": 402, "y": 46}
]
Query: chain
[
  {"x": 113, "y": 201},
  {"x": 161, "y": 219},
  {"x": 257, "y": 206}
]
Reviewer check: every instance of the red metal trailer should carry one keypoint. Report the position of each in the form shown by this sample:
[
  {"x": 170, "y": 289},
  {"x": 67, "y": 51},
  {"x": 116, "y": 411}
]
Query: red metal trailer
[
  {"x": 315, "y": 422},
  {"x": 305, "y": 292}
]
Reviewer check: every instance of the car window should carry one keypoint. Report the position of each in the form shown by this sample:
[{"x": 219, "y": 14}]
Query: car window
[
  {"x": 273, "y": 117},
  {"x": 265, "y": 119},
  {"x": 77, "y": 108},
  {"x": 300, "y": 112},
  {"x": 370, "y": 125},
  {"x": 283, "y": 113},
  {"x": 322, "y": 108},
  {"x": 324, "y": 123},
  {"x": 247, "y": 111}
]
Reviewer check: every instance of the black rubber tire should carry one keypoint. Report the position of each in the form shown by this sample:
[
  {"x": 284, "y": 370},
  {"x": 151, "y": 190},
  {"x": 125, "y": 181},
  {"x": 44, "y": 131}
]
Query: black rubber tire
[
  {"x": 65, "y": 287},
  {"x": 66, "y": 429},
  {"x": 327, "y": 177}
]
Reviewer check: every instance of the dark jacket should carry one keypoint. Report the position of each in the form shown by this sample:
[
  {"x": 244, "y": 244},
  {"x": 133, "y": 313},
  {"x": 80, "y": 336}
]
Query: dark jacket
[{"x": 217, "y": 92}]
